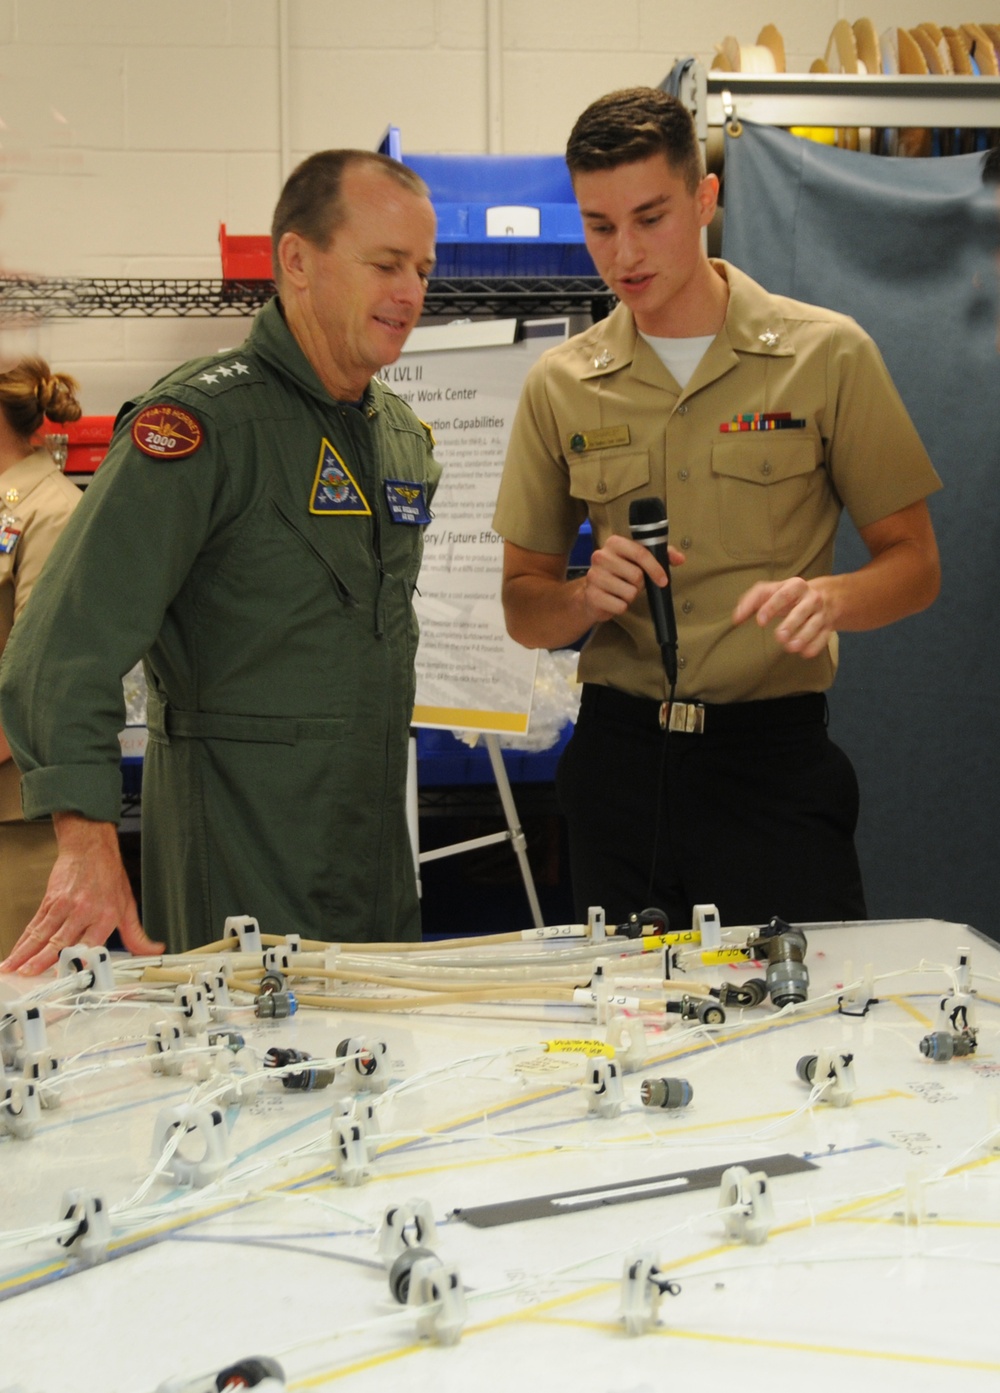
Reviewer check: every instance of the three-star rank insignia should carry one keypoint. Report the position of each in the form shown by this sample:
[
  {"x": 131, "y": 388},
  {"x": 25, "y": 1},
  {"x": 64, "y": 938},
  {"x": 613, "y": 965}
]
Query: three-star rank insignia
[
  {"x": 233, "y": 369},
  {"x": 335, "y": 490}
]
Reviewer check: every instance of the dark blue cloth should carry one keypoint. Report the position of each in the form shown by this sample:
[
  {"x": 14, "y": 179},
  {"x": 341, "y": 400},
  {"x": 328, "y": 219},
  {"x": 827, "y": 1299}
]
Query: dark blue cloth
[{"x": 909, "y": 249}]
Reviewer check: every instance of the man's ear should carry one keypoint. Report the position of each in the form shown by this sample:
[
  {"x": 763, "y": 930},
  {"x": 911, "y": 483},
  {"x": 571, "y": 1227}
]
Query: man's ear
[
  {"x": 293, "y": 258},
  {"x": 708, "y": 198}
]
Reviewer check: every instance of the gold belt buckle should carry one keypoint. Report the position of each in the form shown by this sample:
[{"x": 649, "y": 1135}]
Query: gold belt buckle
[{"x": 687, "y": 717}]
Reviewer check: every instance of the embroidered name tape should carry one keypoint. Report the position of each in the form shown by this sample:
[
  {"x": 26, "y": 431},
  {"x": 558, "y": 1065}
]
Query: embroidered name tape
[
  {"x": 167, "y": 432},
  {"x": 407, "y": 502},
  {"x": 603, "y": 439}
]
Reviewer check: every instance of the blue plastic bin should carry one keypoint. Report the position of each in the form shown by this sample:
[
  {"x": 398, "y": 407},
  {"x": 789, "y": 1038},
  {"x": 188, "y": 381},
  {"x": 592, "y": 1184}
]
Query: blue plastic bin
[
  {"x": 463, "y": 189},
  {"x": 444, "y": 760}
]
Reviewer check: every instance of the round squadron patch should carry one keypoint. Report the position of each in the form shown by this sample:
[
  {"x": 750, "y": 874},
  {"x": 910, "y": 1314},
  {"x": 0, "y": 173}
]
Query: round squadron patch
[{"x": 167, "y": 432}]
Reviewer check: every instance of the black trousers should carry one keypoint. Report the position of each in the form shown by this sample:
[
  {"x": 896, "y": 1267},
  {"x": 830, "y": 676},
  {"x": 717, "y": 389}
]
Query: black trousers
[{"x": 756, "y": 815}]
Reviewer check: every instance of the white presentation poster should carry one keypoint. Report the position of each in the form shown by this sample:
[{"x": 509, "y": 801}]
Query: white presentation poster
[{"x": 464, "y": 380}]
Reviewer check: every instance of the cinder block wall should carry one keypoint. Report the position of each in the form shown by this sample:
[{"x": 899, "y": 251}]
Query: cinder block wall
[{"x": 129, "y": 129}]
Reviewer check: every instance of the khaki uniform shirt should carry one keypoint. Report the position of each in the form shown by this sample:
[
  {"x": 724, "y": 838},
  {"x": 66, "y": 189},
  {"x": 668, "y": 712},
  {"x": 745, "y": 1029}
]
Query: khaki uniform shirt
[
  {"x": 602, "y": 422},
  {"x": 40, "y": 498}
]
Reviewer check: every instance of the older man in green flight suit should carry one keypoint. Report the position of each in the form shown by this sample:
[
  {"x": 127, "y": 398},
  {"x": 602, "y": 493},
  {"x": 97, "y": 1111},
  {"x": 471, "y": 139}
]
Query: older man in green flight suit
[{"x": 255, "y": 535}]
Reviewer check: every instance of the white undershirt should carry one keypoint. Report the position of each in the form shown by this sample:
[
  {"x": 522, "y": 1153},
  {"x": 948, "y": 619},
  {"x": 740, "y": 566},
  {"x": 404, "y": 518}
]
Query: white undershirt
[{"x": 680, "y": 356}]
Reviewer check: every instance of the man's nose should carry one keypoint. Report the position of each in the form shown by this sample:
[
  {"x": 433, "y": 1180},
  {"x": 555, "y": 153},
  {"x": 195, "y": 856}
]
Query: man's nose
[
  {"x": 627, "y": 249},
  {"x": 410, "y": 287}
]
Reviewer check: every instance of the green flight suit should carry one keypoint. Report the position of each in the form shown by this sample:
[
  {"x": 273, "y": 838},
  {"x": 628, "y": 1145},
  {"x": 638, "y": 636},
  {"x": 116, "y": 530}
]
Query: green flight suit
[{"x": 273, "y": 610}]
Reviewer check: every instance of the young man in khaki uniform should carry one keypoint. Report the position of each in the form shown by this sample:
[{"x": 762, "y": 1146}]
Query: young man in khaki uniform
[
  {"x": 755, "y": 419},
  {"x": 255, "y": 534}
]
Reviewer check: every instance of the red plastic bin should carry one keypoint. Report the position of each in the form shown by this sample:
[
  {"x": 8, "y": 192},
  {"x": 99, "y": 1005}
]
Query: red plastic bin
[
  {"x": 244, "y": 258},
  {"x": 89, "y": 439}
]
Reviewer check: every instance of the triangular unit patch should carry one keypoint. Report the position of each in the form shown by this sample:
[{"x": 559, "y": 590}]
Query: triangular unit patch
[{"x": 335, "y": 489}]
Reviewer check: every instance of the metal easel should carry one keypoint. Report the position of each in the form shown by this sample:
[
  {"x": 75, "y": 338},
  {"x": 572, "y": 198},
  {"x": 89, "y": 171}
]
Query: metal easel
[{"x": 514, "y": 833}]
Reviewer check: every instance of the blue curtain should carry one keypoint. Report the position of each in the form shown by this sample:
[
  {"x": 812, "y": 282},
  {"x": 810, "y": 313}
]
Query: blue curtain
[{"x": 909, "y": 249}]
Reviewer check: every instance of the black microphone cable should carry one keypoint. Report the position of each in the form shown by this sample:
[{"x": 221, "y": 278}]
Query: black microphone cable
[{"x": 647, "y": 519}]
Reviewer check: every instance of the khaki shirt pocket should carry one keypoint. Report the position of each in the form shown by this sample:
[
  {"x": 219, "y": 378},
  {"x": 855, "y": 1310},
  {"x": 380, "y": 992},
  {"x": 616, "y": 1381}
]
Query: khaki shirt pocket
[
  {"x": 773, "y": 494},
  {"x": 607, "y": 481}
]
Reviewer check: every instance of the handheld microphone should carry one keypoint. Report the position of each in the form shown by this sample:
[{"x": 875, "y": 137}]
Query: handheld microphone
[{"x": 647, "y": 520}]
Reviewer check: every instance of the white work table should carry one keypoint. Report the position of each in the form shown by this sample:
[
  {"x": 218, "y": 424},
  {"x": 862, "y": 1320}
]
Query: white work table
[{"x": 881, "y": 1267}]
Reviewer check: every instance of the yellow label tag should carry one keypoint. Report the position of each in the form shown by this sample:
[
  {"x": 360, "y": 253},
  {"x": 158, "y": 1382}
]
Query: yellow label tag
[
  {"x": 588, "y": 1047},
  {"x": 604, "y": 439},
  {"x": 669, "y": 939},
  {"x": 713, "y": 957}
]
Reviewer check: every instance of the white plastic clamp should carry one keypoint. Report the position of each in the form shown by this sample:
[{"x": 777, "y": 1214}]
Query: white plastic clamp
[
  {"x": 643, "y": 1284},
  {"x": 92, "y": 958},
  {"x": 41, "y": 1069},
  {"x": 276, "y": 959},
  {"x": 604, "y": 1081},
  {"x": 745, "y": 1205},
  {"x": 191, "y": 999},
  {"x": 281, "y": 957},
  {"x": 163, "y": 1048},
  {"x": 35, "y": 1059},
  {"x": 216, "y": 988},
  {"x": 244, "y": 1071},
  {"x": 601, "y": 990},
  {"x": 20, "y": 1108},
  {"x": 409, "y": 1225},
  {"x": 957, "y": 1012},
  {"x": 831, "y": 1073},
  {"x": 368, "y": 1059},
  {"x": 8, "y": 1038},
  {"x": 350, "y": 1150},
  {"x": 34, "y": 1040},
  {"x": 360, "y": 1110},
  {"x": 857, "y": 996},
  {"x": 706, "y": 923},
  {"x": 209, "y": 1126},
  {"x": 627, "y": 1037},
  {"x": 437, "y": 1298},
  {"x": 246, "y": 929},
  {"x": 92, "y": 1234}
]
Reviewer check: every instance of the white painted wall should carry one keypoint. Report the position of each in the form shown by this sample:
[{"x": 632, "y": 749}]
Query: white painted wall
[{"x": 129, "y": 129}]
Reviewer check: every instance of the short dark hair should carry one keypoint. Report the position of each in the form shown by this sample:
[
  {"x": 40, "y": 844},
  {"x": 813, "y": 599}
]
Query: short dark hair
[
  {"x": 991, "y": 166},
  {"x": 630, "y": 125},
  {"x": 311, "y": 204}
]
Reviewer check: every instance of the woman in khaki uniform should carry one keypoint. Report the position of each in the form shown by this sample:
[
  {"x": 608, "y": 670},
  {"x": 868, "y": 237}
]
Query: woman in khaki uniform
[{"x": 35, "y": 503}]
